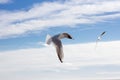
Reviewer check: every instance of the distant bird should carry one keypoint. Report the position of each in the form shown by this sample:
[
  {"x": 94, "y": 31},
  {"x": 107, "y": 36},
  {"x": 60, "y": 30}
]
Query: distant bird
[
  {"x": 100, "y": 37},
  {"x": 57, "y": 43}
]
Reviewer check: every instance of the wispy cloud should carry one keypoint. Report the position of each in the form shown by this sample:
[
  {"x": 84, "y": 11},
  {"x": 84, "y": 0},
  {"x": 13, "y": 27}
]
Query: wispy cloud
[
  {"x": 4, "y": 1},
  {"x": 56, "y": 14},
  {"x": 79, "y": 63}
]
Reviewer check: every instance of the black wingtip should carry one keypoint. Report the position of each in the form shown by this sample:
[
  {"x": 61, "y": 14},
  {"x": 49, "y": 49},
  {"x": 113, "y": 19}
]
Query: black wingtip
[
  {"x": 61, "y": 61},
  {"x": 69, "y": 37}
]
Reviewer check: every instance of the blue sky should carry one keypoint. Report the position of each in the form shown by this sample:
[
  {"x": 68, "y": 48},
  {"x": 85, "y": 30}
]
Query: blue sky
[
  {"x": 80, "y": 35},
  {"x": 25, "y": 24},
  {"x": 81, "y": 31},
  {"x": 18, "y": 5}
]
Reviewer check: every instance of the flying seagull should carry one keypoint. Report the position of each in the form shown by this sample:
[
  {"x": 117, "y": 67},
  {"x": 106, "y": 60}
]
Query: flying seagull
[
  {"x": 57, "y": 43},
  {"x": 100, "y": 37}
]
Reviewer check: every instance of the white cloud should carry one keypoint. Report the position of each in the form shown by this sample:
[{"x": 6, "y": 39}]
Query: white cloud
[
  {"x": 56, "y": 14},
  {"x": 81, "y": 61},
  {"x": 4, "y": 1}
]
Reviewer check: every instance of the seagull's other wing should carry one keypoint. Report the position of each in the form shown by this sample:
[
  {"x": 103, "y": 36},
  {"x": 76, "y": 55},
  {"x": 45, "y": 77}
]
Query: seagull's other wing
[
  {"x": 59, "y": 50},
  {"x": 98, "y": 39}
]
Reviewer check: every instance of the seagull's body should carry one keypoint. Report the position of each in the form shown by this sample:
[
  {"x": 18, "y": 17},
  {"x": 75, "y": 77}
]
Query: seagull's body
[{"x": 57, "y": 43}]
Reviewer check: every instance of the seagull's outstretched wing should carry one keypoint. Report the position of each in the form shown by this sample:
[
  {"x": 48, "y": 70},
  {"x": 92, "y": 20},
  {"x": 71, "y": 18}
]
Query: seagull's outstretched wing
[
  {"x": 103, "y": 33},
  {"x": 59, "y": 50}
]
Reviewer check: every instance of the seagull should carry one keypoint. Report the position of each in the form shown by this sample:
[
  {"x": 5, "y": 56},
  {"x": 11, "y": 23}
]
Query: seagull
[
  {"x": 57, "y": 43},
  {"x": 100, "y": 37}
]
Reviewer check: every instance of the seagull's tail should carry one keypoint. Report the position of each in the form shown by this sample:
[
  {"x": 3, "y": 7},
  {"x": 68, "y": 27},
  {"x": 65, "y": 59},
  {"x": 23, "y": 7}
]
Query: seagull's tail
[
  {"x": 43, "y": 44},
  {"x": 48, "y": 39}
]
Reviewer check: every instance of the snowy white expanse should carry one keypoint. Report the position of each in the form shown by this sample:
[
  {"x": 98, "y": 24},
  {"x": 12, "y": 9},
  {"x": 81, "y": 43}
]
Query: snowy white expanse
[{"x": 81, "y": 61}]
